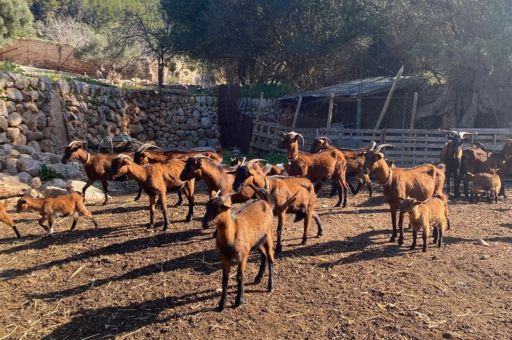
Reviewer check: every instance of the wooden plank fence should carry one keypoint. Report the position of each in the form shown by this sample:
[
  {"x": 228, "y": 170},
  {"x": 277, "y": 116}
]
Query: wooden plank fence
[{"x": 411, "y": 146}]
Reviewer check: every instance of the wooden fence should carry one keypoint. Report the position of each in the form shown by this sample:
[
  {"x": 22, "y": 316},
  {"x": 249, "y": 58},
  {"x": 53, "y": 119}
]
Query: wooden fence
[{"x": 411, "y": 146}]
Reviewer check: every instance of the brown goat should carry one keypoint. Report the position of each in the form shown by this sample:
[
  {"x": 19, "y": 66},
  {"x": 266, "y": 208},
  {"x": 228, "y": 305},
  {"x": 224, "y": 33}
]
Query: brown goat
[
  {"x": 451, "y": 156},
  {"x": 250, "y": 227},
  {"x": 329, "y": 164},
  {"x": 282, "y": 189},
  {"x": 355, "y": 162},
  {"x": 424, "y": 215},
  {"x": 96, "y": 166},
  {"x": 421, "y": 182},
  {"x": 488, "y": 183},
  {"x": 6, "y": 219},
  {"x": 156, "y": 180},
  {"x": 60, "y": 206},
  {"x": 477, "y": 159}
]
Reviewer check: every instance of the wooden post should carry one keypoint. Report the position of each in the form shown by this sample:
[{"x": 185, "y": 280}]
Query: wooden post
[
  {"x": 404, "y": 109},
  {"x": 259, "y": 106},
  {"x": 296, "y": 112},
  {"x": 413, "y": 114},
  {"x": 388, "y": 99},
  {"x": 329, "y": 113},
  {"x": 359, "y": 114}
]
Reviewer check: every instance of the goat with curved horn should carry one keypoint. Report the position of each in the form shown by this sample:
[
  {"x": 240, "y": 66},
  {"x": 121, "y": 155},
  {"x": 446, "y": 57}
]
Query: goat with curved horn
[
  {"x": 77, "y": 142},
  {"x": 382, "y": 146},
  {"x": 252, "y": 161},
  {"x": 325, "y": 138}
]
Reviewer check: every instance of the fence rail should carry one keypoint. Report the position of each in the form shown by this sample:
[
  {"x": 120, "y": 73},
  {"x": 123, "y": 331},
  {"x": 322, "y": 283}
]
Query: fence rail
[{"x": 411, "y": 146}]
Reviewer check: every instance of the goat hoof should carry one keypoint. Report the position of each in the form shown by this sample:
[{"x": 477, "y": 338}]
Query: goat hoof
[
  {"x": 279, "y": 248},
  {"x": 392, "y": 239},
  {"x": 400, "y": 241},
  {"x": 220, "y": 308},
  {"x": 304, "y": 241},
  {"x": 320, "y": 234},
  {"x": 257, "y": 280},
  {"x": 238, "y": 303},
  {"x": 150, "y": 226}
]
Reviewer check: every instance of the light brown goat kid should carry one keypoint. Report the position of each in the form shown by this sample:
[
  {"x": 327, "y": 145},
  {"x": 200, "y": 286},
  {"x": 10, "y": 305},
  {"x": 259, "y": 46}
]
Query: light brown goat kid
[
  {"x": 483, "y": 182},
  {"x": 6, "y": 219},
  {"x": 425, "y": 215},
  {"x": 51, "y": 207},
  {"x": 421, "y": 182}
]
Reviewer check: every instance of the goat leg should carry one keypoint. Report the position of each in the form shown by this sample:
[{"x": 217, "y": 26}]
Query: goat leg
[
  {"x": 151, "y": 211},
  {"x": 401, "y": 228},
  {"x": 87, "y": 185},
  {"x": 180, "y": 198},
  {"x": 425, "y": 242},
  {"x": 139, "y": 194},
  {"x": 163, "y": 199},
  {"x": 393, "y": 222},
  {"x": 280, "y": 222},
  {"x": 41, "y": 223},
  {"x": 75, "y": 221},
  {"x": 414, "y": 238},
  {"x": 270, "y": 260},
  {"x": 240, "y": 282},
  {"x": 307, "y": 223},
  {"x": 320, "y": 232},
  {"x": 225, "y": 279},
  {"x": 435, "y": 233},
  {"x": 18, "y": 235},
  {"x": 263, "y": 265},
  {"x": 104, "y": 184},
  {"x": 440, "y": 240}
]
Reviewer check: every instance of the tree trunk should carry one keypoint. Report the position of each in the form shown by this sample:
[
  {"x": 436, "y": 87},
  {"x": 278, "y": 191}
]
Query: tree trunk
[{"x": 160, "y": 74}]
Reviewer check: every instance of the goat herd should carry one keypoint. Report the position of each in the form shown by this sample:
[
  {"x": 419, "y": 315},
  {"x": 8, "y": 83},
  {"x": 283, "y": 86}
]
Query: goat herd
[{"x": 280, "y": 189}]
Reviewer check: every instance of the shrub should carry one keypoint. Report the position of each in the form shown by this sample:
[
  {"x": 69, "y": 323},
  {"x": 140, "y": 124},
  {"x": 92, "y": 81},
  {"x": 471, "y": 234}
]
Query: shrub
[{"x": 47, "y": 174}]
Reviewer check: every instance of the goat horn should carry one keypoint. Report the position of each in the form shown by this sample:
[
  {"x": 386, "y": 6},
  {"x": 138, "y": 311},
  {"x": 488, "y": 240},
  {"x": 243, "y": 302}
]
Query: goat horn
[
  {"x": 464, "y": 133},
  {"x": 372, "y": 145},
  {"x": 75, "y": 142},
  {"x": 123, "y": 156},
  {"x": 243, "y": 161},
  {"x": 382, "y": 146},
  {"x": 146, "y": 146},
  {"x": 301, "y": 137},
  {"x": 252, "y": 161},
  {"x": 327, "y": 139}
]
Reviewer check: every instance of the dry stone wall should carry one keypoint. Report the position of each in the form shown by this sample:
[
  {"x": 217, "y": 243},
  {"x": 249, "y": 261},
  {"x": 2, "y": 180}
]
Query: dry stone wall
[{"x": 39, "y": 116}]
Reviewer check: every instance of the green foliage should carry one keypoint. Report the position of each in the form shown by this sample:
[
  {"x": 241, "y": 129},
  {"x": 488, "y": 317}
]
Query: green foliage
[
  {"x": 15, "y": 19},
  {"x": 47, "y": 174},
  {"x": 7, "y": 66}
]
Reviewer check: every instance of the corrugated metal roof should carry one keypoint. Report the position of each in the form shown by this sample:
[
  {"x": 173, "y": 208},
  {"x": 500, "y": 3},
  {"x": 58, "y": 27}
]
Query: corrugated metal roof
[{"x": 359, "y": 88}]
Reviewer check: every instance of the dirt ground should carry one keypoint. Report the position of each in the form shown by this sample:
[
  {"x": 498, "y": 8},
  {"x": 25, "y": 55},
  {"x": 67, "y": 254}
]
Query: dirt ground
[{"x": 123, "y": 281}]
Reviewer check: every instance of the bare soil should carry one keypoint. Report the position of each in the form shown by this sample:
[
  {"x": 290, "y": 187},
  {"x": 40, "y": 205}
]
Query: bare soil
[{"x": 124, "y": 281}]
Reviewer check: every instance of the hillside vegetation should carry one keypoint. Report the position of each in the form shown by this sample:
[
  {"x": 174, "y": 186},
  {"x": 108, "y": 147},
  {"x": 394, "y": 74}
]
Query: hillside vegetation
[{"x": 464, "y": 45}]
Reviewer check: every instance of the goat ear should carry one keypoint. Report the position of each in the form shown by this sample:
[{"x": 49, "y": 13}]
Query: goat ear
[{"x": 378, "y": 156}]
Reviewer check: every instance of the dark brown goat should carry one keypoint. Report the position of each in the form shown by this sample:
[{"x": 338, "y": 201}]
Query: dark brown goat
[
  {"x": 96, "y": 166},
  {"x": 318, "y": 167},
  {"x": 355, "y": 162},
  {"x": 451, "y": 156},
  {"x": 282, "y": 189}
]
